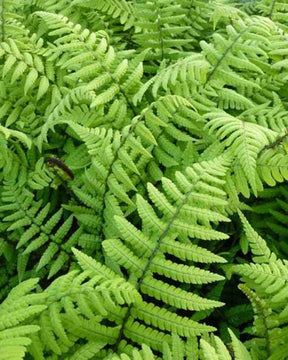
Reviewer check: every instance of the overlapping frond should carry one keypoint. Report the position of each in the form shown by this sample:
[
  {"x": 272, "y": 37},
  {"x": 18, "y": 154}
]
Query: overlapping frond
[
  {"x": 117, "y": 160},
  {"x": 78, "y": 304}
]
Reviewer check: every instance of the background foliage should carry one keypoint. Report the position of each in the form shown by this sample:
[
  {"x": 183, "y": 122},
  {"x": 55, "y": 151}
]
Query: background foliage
[{"x": 143, "y": 169}]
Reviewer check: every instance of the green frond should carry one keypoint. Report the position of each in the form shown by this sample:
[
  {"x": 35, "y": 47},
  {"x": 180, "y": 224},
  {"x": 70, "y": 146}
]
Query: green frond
[
  {"x": 259, "y": 248},
  {"x": 266, "y": 287},
  {"x": 117, "y": 158},
  {"x": 192, "y": 67},
  {"x": 270, "y": 278},
  {"x": 242, "y": 139},
  {"x": 272, "y": 166},
  {"x": 159, "y": 25},
  {"x": 143, "y": 334},
  {"x": 17, "y": 135},
  {"x": 89, "y": 264},
  {"x": 20, "y": 305},
  {"x": 176, "y": 296},
  {"x": 39, "y": 229},
  {"x": 116, "y": 9},
  {"x": 225, "y": 13},
  {"x": 202, "y": 179},
  {"x": 275, "y": 10},
  {"x": 239, "y": 349},
  {"x": 165, "y": 320},
  {"x": 76, "y": 304},
  {"x": 215, "y": 349}
]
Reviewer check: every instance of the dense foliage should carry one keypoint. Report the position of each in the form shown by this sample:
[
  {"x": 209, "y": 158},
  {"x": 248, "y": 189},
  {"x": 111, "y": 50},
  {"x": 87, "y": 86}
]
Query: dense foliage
[{"x": 143, "y": 172}]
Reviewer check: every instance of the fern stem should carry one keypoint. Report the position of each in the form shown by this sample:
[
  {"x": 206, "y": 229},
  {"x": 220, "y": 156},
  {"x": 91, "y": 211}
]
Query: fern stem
[
  {"x": 272, "y": 9},
  {"x": 110, "y": 171},
  {"x": 228, "y": 49},
  {"x": 278, "y": 141},
  {"x": 159, "y": 29},
  {"x": 3, "y": 21},
  {"x": 154, "y": 146},
  {"x": 259, "y": 310}
]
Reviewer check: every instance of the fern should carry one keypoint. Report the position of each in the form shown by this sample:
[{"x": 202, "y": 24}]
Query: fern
[
  {"x": 267, "y": 277},
  {"x": 137, "y": 133}
]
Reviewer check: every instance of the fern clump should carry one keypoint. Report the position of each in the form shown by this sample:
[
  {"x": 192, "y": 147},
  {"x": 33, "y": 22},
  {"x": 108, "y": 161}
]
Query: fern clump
[{"x": 143, "y": 170}]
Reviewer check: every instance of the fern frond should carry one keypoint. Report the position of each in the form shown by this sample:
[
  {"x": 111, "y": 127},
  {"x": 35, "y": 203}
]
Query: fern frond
[
  {"x": 77, "y": 302},
  {"x": 158, "y": 26},
  {"x": 242, "y": 139},
  {"x": 192, "y": 67},
  {"x": 260, "y": 250},
  {"x": 20, "y": 305},
  {"x": 272, "y": 166},
  {"x": 268, "y": 278},
  {"x": 16, "y": 134},
  {"x": 39, "y": 229},
  {"x": 202, "y": 182},
  {"x": 113, "y": 8}
]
